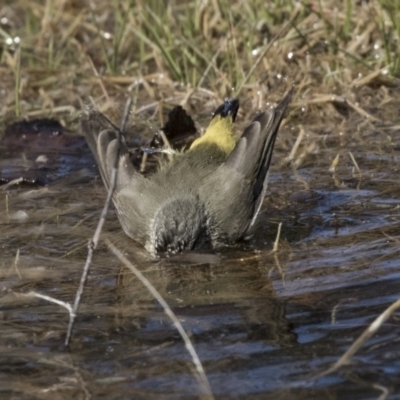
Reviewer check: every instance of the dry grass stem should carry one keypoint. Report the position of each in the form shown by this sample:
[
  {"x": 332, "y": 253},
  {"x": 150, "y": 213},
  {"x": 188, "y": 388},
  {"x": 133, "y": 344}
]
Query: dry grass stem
[
  {"x": 16, "y": 264},
  {"x": 334, "y": 164},
  {"x": 188, "y": 344},
  {"x": 280, "y": 269},
  {"x": 303, "y": 155},
  {"x": 295, "y": 147},
  {"x": 14, "y": 182},
  {"x": 365, "y": 80},
  {"x": 371, "y": 330},
  {"x": 355, "y": 163},
  {"x": 278, "y": 235},
  {"x": 61, "y": 303},
  {"x": 93, "y": 243},
  {"x": 263, "y": 53}
]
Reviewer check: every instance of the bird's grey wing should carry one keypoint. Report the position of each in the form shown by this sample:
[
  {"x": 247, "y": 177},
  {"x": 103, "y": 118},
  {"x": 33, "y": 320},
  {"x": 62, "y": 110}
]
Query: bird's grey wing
[
  {"x": 270, "y": 122},
  {"x": 227, "y": 194},
  {"x": 107, "y": 144},
  {"x": 237, "y": 189}
]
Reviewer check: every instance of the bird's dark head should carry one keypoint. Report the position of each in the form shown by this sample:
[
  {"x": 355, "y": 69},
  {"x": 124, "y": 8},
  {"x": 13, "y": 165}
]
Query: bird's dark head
[{"x": 229, "y": 108}]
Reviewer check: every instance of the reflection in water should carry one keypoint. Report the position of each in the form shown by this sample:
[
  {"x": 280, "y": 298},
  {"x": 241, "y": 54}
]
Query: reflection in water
[{"x": 236, "y": 293}]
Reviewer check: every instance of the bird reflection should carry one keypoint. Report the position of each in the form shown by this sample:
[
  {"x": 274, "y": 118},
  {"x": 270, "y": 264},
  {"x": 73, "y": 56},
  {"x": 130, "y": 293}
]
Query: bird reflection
[{"x": 231, "y": 299}]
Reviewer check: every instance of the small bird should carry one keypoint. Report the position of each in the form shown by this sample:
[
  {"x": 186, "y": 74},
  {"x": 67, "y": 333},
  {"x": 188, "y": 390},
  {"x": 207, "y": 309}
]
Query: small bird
[{"x": 206, "y": 196}]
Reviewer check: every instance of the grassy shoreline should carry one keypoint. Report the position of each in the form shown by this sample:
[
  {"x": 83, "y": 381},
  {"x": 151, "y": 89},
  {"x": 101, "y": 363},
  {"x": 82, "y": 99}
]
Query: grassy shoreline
[{"x": 53, "y": 57}]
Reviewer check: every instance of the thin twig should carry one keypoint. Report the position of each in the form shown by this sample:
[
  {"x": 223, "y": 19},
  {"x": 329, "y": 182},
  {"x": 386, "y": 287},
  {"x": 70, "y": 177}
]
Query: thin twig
[
  {"x": 334, "y": 163},
  {"x": 280, "y": 269},
  {"x": 93, "y": 243},
  {"x": 16, "y": 264},
  {"x": 99, "y": 79},
  {"x": 125, "y": 117},
  {"x": 341, "y": 100},
  {"x": 355, "y": 163},
  {"x": 300, "y": 137},
  {"x": 14, "y": 182},
  {"x": 372, "y": 329},
  {"x": 188, "y": 344},
  {"x": 278, "y": 235},
  {"x": 61, "y": 303}
]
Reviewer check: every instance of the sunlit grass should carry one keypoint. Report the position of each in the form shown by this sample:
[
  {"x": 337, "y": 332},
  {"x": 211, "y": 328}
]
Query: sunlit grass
[{"x": 222, "y": 47}]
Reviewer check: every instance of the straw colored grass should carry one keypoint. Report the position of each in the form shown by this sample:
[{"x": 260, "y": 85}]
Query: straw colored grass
[{"x": 56, "y": 54}]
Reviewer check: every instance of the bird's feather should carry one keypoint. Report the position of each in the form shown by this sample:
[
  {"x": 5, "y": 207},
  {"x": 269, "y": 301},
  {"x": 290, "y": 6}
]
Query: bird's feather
[{"x": 236, "y": 190}]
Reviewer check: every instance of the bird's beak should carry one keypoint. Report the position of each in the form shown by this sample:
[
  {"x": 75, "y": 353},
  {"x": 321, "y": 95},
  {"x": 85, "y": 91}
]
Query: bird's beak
[{"x": 229, "y": 108}]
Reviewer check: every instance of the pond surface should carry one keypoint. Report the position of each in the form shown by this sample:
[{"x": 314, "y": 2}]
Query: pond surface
[{"x": 264, "y": 325}]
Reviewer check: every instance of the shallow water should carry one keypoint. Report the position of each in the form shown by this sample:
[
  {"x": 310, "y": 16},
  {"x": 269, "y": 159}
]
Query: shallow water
[{"x": 264, "y": 325}]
